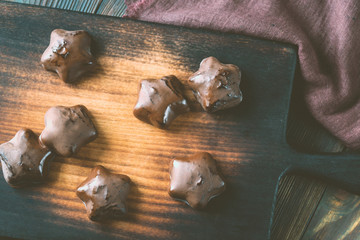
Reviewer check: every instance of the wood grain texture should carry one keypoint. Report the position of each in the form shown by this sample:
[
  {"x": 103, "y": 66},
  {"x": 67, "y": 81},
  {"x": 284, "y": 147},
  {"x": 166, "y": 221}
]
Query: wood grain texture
[
  {"x": 115, "y": 8},
  {"x": 128, "y": 51},
  {"x": 297, "y": 199},
  {"x": 329, "y": 221},
  {"x": 298, "y": 196}
]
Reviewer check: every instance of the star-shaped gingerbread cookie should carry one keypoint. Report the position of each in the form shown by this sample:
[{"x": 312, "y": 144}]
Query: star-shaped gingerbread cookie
[
  {"x": 195, "y": 180},
  {"x": 160, "y": 101},
  {"x": 67, "y": 129},
  {"x": 216, "y": 86},
  {"x": 68, "y": 54},
  {"x": 104, "y": 194},
  {"x": 23, "y": 160}
]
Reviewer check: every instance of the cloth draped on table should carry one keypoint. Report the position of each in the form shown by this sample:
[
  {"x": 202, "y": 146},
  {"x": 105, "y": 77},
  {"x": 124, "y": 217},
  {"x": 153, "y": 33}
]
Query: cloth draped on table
[{"x": 327, "y": 33}]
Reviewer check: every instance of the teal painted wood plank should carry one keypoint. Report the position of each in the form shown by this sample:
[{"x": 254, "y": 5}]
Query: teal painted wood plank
[{"x": 115, "y": 8}]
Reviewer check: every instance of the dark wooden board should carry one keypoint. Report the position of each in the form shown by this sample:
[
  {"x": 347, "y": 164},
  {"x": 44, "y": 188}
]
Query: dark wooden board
[
  {"x": 299, "y": 197},
  {"x": 248, "y": 141}
]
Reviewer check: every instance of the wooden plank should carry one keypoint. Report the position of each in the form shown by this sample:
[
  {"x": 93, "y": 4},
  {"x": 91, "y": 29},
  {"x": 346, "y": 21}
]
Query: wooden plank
[
  {"x": 115, "y": 8},
  {"x": 112, "y": 8},
  {"x": 128, "y": 51},
  {"x": 337, "y": 217},
  {"x": 297, "y": 200}
]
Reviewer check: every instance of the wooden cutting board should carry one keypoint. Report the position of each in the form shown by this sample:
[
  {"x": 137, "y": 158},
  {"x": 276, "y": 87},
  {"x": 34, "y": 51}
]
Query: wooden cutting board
[{"x": 247, "y": 141}]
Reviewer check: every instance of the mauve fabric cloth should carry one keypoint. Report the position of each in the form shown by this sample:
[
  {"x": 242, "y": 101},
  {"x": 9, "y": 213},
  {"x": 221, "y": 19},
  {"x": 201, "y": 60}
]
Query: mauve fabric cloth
[{"x": 327, "y": 33}]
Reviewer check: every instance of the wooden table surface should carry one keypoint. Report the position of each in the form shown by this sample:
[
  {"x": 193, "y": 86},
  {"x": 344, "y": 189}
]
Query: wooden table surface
[{"x": 306, "y": 208}]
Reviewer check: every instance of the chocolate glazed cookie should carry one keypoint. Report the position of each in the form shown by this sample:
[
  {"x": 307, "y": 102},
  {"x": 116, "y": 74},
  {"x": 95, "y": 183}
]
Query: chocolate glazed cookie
[
  {"x": 67, "y": 129},
  {"x": 216, "y": 86},
  {"x": 24, "y": 161},
  {"x": 68, "y": 54},
  {"x": 195, "y": 180},
  {"x": 104, "y": 194},
  {"x": 160, "y": 101}
]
